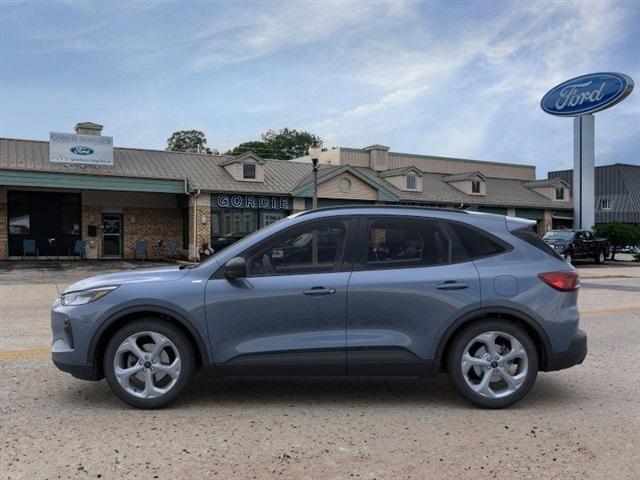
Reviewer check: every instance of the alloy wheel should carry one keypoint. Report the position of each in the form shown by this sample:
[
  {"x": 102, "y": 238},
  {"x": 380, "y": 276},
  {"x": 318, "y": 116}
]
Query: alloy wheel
[
  {"x": 147, "y": 364},
  {"x": 494, "y": 364}
]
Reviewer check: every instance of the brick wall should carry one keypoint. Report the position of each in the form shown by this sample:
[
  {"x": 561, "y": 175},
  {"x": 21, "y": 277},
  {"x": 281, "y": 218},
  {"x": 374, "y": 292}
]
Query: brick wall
[{"x": 152, "y": 225}]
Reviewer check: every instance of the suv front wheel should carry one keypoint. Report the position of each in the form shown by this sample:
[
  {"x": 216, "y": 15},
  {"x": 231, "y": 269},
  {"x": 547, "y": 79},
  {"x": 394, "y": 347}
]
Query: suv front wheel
[
  {"x": 493, "y": 363},
  {"x": 148, "y": 363}
]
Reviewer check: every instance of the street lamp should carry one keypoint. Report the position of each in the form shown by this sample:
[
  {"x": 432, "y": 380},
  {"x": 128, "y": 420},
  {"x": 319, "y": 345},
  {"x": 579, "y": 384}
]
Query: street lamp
[{"x": 314, "y": 153}]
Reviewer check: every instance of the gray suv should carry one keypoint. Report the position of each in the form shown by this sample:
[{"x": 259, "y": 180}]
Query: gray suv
[{"x": 345, "y": 292}]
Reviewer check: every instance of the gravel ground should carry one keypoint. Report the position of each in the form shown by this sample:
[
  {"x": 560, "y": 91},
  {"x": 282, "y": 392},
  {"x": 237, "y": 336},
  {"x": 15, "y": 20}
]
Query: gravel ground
[{"x": 579, "y": 423}]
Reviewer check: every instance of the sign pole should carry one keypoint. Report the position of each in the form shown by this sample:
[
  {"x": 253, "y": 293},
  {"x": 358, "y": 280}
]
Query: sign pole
[{"x": 583, "y": 171}]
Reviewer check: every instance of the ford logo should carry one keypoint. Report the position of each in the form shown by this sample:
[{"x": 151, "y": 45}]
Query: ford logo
[
  {"x": 587, "y": 94},
  {"x": 79, "y": 150}
]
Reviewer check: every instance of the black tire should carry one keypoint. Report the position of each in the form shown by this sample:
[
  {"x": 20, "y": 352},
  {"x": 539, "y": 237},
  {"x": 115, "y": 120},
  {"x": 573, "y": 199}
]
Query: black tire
[
  {"x": 176, "y": 336},
  {"x": 456, "y": 351},
  {"x": 600, "y": 257}
]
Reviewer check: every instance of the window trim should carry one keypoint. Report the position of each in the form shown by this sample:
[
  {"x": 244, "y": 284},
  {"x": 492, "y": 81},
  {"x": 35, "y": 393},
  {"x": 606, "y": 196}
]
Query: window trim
[
  {"x": 608, "y": 202},
  {"x": 479, "y": 184},
  {"x": 345, "y": 264},
  {"x": 559, "y": 193}
]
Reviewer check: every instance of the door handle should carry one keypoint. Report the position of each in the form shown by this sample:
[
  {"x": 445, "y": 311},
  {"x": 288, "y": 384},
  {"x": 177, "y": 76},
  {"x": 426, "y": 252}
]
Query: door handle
[
  {"x": 452, "y": 285},
  {"x": 319, "y": 291}
]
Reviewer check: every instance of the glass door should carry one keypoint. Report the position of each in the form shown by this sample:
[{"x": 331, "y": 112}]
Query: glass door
[
  {"x": 270, "y": 216},
  {"x": 111, "y": 235}
]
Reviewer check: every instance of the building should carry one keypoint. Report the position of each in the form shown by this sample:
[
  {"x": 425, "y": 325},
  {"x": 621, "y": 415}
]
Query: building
[
  {"x": 186, "y": 199},
  {"x": 617, "y": 192}
]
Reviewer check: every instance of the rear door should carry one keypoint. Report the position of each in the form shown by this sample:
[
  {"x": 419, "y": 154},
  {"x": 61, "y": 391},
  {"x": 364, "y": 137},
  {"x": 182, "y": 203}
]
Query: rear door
[{"x": 410, "y": 281}]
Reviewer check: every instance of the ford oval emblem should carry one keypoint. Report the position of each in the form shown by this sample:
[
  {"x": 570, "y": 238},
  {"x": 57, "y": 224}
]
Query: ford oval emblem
[
  {"x": 80, "y": 150},
  {"x": 587, "y": 94}
]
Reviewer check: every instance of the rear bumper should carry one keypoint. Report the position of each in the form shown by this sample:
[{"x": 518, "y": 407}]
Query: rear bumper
[{"x": 574, "y": 355}]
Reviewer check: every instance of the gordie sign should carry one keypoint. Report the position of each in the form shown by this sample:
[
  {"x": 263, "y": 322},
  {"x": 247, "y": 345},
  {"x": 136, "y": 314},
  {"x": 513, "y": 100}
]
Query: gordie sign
[
  {"x": 224, "y": 200},
  {"x": 587, "y": 94}
]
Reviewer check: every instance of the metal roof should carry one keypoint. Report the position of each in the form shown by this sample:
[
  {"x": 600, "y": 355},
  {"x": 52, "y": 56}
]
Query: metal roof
[{"x": 205, "y": 172}]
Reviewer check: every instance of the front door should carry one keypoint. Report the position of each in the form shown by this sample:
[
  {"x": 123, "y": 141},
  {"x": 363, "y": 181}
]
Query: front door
[
  {"x": 111, "y": 235},
  {"x": 405, "y": 291},
  {"x": 287, "y": 317}
]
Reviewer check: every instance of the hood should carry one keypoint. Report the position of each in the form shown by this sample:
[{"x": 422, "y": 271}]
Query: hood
[
  {"x": 163, "y": 274},
  {"x": 556, "y": 241}
]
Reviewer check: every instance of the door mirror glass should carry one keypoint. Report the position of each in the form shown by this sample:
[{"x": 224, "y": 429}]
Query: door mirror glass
[{"x": 236, "y": 268}]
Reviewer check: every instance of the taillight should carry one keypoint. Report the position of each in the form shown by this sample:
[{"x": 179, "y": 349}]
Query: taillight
[{"x": 562, "y": 281}]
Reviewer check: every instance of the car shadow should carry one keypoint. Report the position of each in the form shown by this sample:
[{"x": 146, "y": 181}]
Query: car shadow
[{"x": 206, "y": 392}]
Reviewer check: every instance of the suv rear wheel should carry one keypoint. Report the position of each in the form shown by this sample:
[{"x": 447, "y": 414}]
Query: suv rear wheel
[
  {"x": 493, "y": 363},
  {"x": 148, "y": 363}
]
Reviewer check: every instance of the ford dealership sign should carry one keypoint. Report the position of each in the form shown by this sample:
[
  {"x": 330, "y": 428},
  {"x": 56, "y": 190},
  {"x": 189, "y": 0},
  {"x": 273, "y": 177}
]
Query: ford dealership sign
[
  {"x": 587, "y": 94},
  {"x": 77, "y": 148}
]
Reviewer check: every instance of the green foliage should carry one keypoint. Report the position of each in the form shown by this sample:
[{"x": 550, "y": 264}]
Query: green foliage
[
  {"x": 188, "y": 141},
  {"x": 619, "y": 234},
  {"x": 257, "y": 147},
  {"x": 284, "y": 144}
]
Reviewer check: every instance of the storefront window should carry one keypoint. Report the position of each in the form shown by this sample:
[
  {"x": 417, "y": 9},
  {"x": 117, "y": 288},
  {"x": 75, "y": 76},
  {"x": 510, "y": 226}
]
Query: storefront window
[
  {"x": 19, "y": 218},
  {"x": 234, "y": 216}
]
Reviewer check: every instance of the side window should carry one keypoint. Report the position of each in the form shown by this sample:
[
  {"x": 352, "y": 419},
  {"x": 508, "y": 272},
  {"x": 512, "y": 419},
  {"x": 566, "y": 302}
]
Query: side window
[
  {"x": 588, "y": 236},
  {"x": 398, "y": 243},
  {"x": 580, "y": 236},
  {"x": 475, "y": 242},
  {"x": 316, "y": 248}
]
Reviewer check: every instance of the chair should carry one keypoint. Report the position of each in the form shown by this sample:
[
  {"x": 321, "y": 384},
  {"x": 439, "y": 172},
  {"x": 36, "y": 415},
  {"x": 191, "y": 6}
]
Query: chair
[
  {"x": 29, "y": 248},
  {"x": 79, "y": 248},
  {"x": 141, "y": 248},
  {"x": 171, "y": 249}
]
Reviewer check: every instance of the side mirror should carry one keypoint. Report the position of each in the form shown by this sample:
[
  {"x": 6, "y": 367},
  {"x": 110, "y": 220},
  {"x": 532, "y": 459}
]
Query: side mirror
[{"x": 235, "y": 268}]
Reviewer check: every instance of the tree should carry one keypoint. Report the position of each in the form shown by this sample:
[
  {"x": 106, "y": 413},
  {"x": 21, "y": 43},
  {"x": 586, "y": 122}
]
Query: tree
[
  {"x": 257, "y": 147},
  {"x": 188, "y": 141},
  {"x": 284, "y": 144},
  {"x": 619, "y": 234}
]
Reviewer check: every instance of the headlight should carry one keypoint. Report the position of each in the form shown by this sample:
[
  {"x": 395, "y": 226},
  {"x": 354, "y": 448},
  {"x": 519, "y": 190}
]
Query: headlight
[{"x": 85, "y": 296}]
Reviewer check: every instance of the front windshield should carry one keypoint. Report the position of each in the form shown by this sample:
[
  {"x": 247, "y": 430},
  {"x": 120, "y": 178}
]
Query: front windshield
[
  {"x": 558, "y": 235},
  {"x": 246, "y": 241}
]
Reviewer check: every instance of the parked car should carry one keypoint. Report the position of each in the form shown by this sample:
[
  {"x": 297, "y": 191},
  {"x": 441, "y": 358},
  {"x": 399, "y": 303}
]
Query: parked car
[
  {"x": 577, "y": 244},
  {"x": 224, "y": 241},
  {"x": 406, "y": 292}
]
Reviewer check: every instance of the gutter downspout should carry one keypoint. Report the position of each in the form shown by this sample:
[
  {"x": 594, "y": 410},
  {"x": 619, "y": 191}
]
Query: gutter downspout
[{"x": 195, "y": 196}]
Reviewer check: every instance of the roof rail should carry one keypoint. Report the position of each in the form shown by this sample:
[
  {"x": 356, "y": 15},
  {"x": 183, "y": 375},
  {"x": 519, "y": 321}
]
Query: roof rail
[{"x": 391, "y": 207}]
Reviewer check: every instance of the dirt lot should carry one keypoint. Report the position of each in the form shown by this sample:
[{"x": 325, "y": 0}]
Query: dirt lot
[{"x": 579, "y": 423}]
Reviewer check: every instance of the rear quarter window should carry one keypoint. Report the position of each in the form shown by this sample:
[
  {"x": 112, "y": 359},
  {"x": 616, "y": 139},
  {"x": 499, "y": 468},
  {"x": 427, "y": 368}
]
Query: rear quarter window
[
  {"x": 476, "y": 243},
  {"x": 528, "y": 235}
]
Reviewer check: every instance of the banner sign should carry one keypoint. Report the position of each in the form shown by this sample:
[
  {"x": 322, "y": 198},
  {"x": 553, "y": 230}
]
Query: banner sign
[
  {"x": 270, "y": 202},
  {"x": 80, "y": 149},
  {"x": 587, "y": 94}
]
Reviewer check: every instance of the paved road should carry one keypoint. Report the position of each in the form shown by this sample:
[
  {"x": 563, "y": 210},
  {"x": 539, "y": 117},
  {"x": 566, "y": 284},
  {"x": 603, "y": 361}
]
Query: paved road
[{"x": 579, "y": 423}]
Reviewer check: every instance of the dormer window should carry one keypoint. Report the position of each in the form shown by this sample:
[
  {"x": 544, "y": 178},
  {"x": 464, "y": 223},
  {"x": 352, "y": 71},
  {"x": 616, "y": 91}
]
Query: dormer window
[
  {"x": 559, "y": 193},
  {"x": 249, "y": 171},
  {"x": 475, "y": 186},
  {"x": 411, "y": 182}
]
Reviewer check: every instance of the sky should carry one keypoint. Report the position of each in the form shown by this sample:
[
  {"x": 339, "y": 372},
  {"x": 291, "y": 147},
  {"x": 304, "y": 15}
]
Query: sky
[{"x": 452, "y": 78}]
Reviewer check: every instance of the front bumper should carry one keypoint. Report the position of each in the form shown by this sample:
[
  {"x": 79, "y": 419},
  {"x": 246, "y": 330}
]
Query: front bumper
[
  {"x": 574, "y": 355},
  {"x": 67, "y": 353},
  {"x": 81, "y": 371}
]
